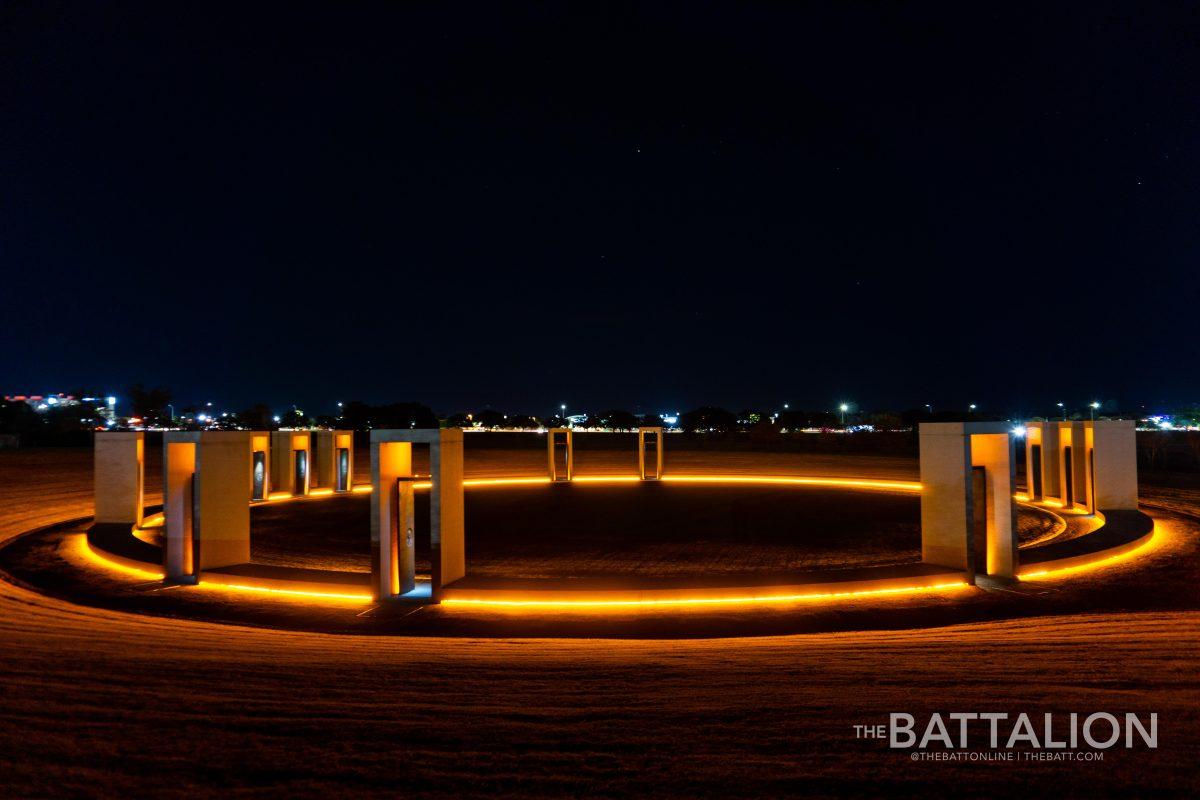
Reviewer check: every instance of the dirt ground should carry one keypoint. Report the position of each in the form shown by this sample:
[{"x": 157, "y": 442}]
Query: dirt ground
[{"x": 101, "y": 703}]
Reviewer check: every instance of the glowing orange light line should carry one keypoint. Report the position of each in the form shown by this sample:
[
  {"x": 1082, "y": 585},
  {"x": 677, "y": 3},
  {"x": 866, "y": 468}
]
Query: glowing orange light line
[
  {"x": 849, "y": 483},
  {"x": 1102, "y": 561},
  {"x": 786, "y": 480},
  {"x": 502, "y": 482},
  {"x": 696, "y": 601},
  {"x": 101, "y": 558},
  {"x": 96, "y": 556},
  {"x": 364, "y": 598}
]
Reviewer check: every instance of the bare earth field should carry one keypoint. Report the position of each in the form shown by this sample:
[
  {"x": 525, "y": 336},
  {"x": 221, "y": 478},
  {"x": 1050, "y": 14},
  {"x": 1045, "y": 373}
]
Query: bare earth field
[{"x": 101, "y": 703}]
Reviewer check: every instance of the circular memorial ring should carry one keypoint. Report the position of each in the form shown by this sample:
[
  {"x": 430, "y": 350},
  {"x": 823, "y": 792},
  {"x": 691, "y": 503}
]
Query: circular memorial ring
[{"x": 1112, "y": 540}]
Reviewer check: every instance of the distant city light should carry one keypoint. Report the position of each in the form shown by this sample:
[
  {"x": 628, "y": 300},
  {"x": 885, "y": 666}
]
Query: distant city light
[
  {"x": 1019, "y": 431},
  {"x": 112, "y": 401}
]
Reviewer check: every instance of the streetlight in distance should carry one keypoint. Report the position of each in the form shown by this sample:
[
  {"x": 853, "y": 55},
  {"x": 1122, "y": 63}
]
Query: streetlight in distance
[
  {"x": 1093, "y": 406},
  {"x": 843, "y": 408},
  {"x": 972, "y": 408},
  {"x": 1063, "y": 410}
]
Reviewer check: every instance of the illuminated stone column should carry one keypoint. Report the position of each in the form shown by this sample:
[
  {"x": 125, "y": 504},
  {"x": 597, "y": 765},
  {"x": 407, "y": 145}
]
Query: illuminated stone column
[
  {"x": 1111, "y": 461},
  {"x": 657, "y": 433},
  {"x": 552, "y": 443},
  {"x": 392, "y": 537},
  {"x": 180, "y": 543},
  {"x": 1042, "y": 456},
  {"x": 333, "y": 457},
  {"x": 291, "y": 462},
  {"x": 447, "y": 514},
  {"x": 393, "y": 559},
  {"x": 119, "y": 462},
  {"x": 967, "y": 511},
  {"x": 260, "y": 465},
  {"x": 1072, "y": 464},
  {"x": 207, "y": 483}
]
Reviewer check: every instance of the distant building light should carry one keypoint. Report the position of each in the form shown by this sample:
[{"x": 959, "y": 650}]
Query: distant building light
[
  {"x": 112, "y": 401},
  {"x": 1019, "y": 431}
]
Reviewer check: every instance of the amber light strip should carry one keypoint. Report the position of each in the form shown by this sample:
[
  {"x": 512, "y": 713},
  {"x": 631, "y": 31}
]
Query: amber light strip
[
  {"x": 360, "y": 598},
  {"x": 845, "y": 483},
  {"x": 1156, "y": 537},
  {"x": 99, "y": 557},
  {"x": 698, "y": 601},
  {"x": 584, "y": 604},
  {"x": 785, "y": 480}
]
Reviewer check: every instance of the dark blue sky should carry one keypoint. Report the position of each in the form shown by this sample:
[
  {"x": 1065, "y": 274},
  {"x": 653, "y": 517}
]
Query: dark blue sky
[{"x": 640, "y": 206}]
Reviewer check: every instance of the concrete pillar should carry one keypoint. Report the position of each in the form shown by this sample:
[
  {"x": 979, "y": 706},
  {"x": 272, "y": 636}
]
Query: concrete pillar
[
  {"x": 291, "y": 462},
  {"x": 392, "y": 539},
  {"x": 180, "y": 545},
  {"x": 207, "y": 482},
  {"x": 1043, "y": 435},
  {"x": 446, "y": 511},
  {"x": 393, "y": 559},
  {"x": 260, "y": 465},
  {"x": 967, "y": 511},
  {"x": 552, "y": 440},
  {"x": 1072, "y": 464},
  {"x": 994, "y": 453},
  {"x": 119, "y": 461},
  {"x": 333, "y": 457},
  {"x": 657, "y": 433},
  {"x": 1111, "y": 461}
]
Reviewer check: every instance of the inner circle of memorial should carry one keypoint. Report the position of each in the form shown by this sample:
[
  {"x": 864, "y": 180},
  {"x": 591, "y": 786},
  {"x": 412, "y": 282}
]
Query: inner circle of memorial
[{"x": 565, "y": 531}]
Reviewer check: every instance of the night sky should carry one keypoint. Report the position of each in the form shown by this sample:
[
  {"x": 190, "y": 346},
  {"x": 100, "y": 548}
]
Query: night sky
[{"x": 647, "y": 207}]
